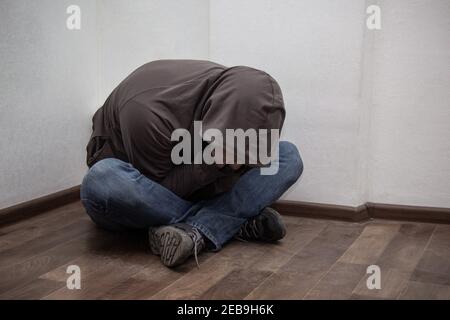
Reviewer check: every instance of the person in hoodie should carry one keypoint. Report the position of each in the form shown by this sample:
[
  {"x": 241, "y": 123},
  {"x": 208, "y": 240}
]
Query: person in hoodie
[{"x": 132, "y": 182}]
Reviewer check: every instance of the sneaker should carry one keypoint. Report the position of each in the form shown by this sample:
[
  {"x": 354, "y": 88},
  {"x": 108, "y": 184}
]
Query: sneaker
[
  {"x": 176, "y": 243},
  {"x": 268, "y": 226}
]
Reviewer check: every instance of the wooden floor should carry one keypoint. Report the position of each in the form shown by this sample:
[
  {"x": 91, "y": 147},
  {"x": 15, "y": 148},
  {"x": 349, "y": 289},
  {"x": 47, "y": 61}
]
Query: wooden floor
[{"x": 317, "y": 260}]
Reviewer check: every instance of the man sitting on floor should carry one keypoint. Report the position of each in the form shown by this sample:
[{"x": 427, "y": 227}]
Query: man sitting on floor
[{"x": 134, "y": 183}]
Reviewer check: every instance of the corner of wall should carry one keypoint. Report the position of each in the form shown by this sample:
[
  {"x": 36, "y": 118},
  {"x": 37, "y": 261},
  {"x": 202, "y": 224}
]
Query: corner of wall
[{"x": 366, "y": 105}]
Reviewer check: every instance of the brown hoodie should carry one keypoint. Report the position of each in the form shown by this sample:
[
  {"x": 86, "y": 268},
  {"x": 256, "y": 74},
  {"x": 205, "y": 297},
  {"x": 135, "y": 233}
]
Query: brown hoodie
[{"x": 137, "y": 120}]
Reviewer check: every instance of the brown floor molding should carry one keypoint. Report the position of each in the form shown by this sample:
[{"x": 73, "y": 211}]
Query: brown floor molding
[
  {"x": 291, "y": 208},
  {"x": 364, "y": 212},
  {"x": 322, "y": 211},
  {"x": 409, "y": 213},
  {"x": 34, "y": 207}
]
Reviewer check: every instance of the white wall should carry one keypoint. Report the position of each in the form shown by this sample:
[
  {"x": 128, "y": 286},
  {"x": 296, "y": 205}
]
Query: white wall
[
  {"x": 369, "y": 109},
  {"x": 47, "y": 87},
  {"x": 52, "y": 80},
  {"x": 314, "y": 50},
  {"x": 409, "y": 160},
  {"x": 132, "y": 33}
]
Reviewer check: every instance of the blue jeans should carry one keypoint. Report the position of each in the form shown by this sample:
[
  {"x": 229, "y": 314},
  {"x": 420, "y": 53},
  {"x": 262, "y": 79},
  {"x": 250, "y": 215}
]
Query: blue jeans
[{"x": 117, "y": 197}]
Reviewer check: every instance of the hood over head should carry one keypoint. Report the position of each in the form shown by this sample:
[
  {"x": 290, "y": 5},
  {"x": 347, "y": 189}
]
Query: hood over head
[{"x": 244, "y": 98}]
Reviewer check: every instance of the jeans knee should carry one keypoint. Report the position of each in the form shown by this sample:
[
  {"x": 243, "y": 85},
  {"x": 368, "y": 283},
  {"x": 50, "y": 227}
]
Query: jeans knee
[
  {"x": 104, "y": 168},
  {"x": 97, "y": 178},
  {"x": 290, "y": 155}
]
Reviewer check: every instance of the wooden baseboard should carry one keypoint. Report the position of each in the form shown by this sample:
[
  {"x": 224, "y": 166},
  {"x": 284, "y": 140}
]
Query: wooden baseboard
[
  {"x": 37, "y": 206},
  {"x": 408, "y": 213},
  {"x": 322, "y": 211},
  {"x": 292, "y": 208},
  {"x": 364, "y": 212}
]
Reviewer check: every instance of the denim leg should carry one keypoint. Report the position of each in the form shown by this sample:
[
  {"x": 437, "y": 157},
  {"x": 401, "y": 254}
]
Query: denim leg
[
  {"x": 219, "y": 219},
  {"x": 117, "y": 196}
]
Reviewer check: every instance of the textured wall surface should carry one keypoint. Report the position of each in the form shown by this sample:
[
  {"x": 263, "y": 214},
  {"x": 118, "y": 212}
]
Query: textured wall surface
[
  {"x": 369, "y": 110},
  {"x": 409, "y": 159},
  {"x": 313, "y": 49},
  {"x": 132, "y": 33},
  {"x": 52, "y": 80},
  {"x": 48, "y": 85}
]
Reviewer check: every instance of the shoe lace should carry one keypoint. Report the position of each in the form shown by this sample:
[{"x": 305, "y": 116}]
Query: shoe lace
[
  {"x": 249, "y": 230},
  {"x": 198, "y": 244}
]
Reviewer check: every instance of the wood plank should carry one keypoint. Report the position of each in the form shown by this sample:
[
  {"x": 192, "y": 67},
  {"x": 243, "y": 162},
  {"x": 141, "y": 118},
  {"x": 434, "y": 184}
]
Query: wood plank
[
  {"x": 370, "y": 244},
  {"x": 425, "y": 291},
  {"x": 276, "y": 255},
  {"x": 95, "y": 284},
  {"x": 434, "y": 267},
  {"x": 264, "y": 256},
  {"x": 338, "y": 283},
  {"x": 236, "y": 255},
  {"x": 318, "y": 259},
  {"x": 102, "y": 269},
  {"x": 6, "y": 244},
  {"x": 407, "y": 247},
  {"x": 393, "y": 282},
  {"x": 110, "y": 246},
  {"x": 304, "y": 270},
  {"x": 88, "y": 263},
  {"x": 346, "y": 274},
  {"x": 24, "y": 272},
  {"x": 152, "y": 279},
  {"x": 398, "y": 261},
  {"x": 236, "y": 285},
  {"x": 134, "y": 289},
  {"x": 197, "y": 281},
  {"x": 33, "y": 290},
  {"x": 93, "y": 241},
  {"x": 17, "y": 234},
  {"x": 30, "y": 248}
]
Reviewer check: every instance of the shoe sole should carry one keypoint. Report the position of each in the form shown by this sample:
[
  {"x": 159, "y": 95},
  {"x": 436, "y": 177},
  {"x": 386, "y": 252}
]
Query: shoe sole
[{"x": 167, "y": 243}]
